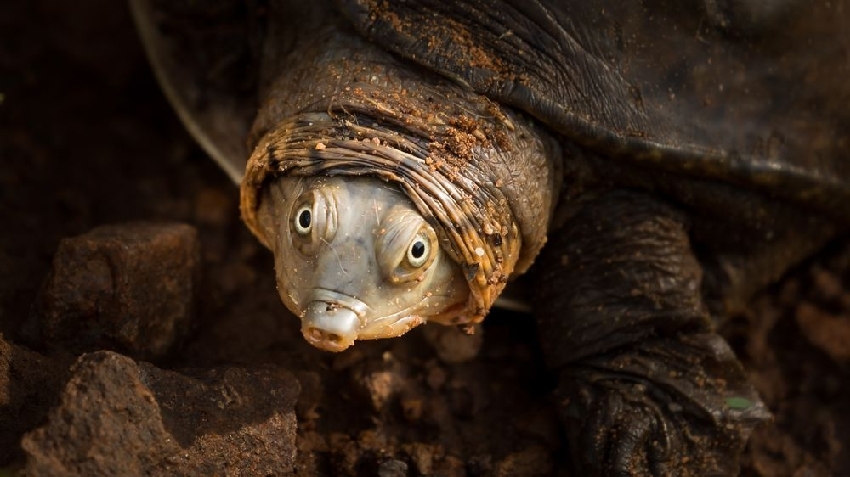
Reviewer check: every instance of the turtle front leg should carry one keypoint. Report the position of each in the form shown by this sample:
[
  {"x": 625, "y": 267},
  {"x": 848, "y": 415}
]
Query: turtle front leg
[{"x": 647, "y": 387}]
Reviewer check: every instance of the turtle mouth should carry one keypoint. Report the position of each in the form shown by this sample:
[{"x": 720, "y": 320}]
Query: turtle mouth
[
  {"x": 333, "y": 321},
  {"x": 391, "y": 326},
  {"x": 337, "y": 299}
]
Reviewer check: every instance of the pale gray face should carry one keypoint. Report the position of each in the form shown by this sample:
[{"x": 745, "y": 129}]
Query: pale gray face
[{"x": 355, "y": 260}]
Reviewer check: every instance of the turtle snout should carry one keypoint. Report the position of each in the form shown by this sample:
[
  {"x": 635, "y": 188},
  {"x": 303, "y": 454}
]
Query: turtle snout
[{"x": 329, "y": 326}]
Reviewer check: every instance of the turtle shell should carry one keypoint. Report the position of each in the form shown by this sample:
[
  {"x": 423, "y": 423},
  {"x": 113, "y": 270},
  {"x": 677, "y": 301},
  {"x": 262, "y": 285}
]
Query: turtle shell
[
  {"x": 677, "y": 86},
  {"x": 760, "y": 102},
  {"x": 206, "y": 58}
]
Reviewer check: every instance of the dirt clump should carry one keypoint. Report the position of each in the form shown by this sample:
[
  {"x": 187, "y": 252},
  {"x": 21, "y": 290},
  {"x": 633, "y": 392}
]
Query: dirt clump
[
  {"x": 29, "y": 386},
  {"x": 119, "y": 417}
]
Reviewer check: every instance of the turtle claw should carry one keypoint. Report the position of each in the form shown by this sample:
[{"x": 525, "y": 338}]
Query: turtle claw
[
  {"x": 630, "y": 421},
  {"x": 622, "y": 439},
  {"x": 633, "y": 449}
]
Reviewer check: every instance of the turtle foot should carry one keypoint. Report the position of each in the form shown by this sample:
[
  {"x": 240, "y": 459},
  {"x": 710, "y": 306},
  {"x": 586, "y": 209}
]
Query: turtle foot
[{"x": 672, "y": 407}]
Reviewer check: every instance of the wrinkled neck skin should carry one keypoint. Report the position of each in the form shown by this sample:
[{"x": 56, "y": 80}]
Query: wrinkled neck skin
[{"x": 389, "y": 196}]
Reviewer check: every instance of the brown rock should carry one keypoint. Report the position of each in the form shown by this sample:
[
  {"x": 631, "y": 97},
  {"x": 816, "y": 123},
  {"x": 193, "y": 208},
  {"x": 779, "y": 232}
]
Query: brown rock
[
  {"x": 107, "y": 423},
  {"x": 229, "y": 418},
  {"x": 29, "y": 383},
  {"x": 127, "y": 287},
  {"x": 117, "y": 417}
]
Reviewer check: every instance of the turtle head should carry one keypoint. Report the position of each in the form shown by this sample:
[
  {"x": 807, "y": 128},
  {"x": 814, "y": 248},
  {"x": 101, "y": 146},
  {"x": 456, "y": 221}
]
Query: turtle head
[{"x": 355, "y": 260}]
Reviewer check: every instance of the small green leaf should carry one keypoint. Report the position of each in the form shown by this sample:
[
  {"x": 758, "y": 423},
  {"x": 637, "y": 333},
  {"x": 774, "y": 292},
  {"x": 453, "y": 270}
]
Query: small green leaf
[{"x": 739, "y": 402}]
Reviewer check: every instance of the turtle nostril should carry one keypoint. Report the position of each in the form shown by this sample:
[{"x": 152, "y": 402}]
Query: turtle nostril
[
  {"x": 315, "y": 334},
  {"x": 319, "y": 335},
  {"x": 326, "y": 340},
  {"x": 333, "y": 337}
]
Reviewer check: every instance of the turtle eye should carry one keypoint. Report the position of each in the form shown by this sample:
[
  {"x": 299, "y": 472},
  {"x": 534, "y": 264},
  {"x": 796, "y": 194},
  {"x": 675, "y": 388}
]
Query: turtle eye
[
  {"x": 313, "y": 221},
  {"x": 419, "y": 251},
  {"x": 406, "y": 246},
  {"x": 303, "y": 220}
]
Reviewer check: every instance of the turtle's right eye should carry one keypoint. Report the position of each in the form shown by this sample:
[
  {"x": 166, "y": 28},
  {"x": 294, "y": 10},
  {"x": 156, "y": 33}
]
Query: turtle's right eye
[
  {"x": 419, "y": 251},
  {"x": 303, "y": 220},
  {"x": 313, "y": 221}
]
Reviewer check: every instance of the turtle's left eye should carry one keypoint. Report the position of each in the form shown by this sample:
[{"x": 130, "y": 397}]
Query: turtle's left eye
[
  {"x": 406, "y": 246},
  {"x": 419, "y": 251}
]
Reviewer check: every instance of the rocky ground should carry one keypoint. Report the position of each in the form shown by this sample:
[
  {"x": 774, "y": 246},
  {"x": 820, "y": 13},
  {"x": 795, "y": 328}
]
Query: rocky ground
[{"x": 206, "y": 373}]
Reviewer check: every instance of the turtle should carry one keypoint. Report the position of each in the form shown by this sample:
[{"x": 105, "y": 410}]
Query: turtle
[{"x": 646, "y": 166}]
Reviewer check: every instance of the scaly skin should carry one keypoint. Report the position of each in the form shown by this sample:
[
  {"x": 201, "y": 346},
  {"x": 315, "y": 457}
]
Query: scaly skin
[{"x": 647, "y": 386}]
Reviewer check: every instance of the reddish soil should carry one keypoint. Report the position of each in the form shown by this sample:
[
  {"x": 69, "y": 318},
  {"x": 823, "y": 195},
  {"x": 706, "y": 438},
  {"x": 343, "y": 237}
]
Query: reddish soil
[{"x": 86, "y": 139}]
